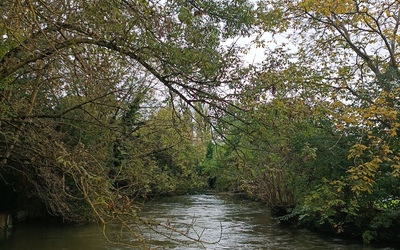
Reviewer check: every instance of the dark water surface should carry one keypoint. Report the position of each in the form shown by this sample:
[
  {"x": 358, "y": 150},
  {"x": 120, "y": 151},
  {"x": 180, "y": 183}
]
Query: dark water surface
[{"x": 233, "y": 223}]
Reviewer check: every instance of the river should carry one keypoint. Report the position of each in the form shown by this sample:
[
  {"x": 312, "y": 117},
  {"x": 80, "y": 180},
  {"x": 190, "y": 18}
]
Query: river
[{"x": 228, "y": 222}]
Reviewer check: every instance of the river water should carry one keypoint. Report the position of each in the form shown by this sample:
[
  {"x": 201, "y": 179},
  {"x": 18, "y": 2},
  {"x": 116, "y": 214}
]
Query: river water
[{"x": 224, "y": 222}]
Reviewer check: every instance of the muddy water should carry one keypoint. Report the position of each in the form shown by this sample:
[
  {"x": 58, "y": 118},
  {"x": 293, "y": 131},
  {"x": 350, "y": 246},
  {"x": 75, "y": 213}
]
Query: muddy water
[{"x": 221, "y": 222}]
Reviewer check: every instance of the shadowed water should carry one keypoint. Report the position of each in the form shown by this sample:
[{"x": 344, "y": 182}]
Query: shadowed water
[{"x": 229, "y": 222}]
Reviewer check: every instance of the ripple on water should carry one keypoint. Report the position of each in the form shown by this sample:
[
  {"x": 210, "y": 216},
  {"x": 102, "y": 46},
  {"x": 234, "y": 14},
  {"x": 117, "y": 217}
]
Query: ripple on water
[{"x": 244, "y": 225}]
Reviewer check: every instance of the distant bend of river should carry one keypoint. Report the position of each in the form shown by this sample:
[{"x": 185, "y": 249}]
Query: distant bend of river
[{"x": 234, "y": 223}]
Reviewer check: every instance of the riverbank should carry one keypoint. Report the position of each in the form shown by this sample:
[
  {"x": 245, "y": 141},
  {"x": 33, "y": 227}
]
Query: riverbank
[
  {"x": 290, "y": 217},
  {"x": 227, "y": 220},
  {"x": 286, "y": 222}
]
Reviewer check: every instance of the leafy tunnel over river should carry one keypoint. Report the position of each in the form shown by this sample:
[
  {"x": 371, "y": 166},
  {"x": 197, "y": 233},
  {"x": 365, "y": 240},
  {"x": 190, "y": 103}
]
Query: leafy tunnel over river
[{"x": 105, "y": 104}]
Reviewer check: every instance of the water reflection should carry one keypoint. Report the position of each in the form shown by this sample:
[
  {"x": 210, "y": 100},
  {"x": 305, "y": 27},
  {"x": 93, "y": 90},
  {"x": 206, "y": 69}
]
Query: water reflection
[
  {"x": 245, "y": 225},
  {"x": 235, "y": 224}
]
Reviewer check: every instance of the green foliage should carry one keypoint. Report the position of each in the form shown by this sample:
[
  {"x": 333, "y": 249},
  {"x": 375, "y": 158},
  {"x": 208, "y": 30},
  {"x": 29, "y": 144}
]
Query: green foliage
[
  {"x": 352, "y": 92},
  {"x": 172, "y": 152},
  {"x": 385, "y": 225},
  {"x": 83, "y": 89},
  {"x": 97, "y": 112}
]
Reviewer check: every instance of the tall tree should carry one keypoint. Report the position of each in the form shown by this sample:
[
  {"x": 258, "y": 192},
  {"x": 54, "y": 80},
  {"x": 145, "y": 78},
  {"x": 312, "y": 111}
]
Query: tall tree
[
  {"x": 79, "y": 77},
  {"x": 348, "y": 52}
]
